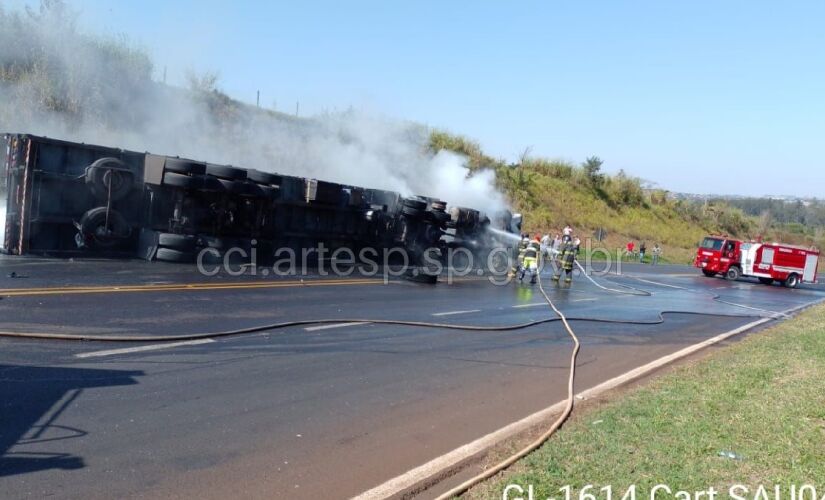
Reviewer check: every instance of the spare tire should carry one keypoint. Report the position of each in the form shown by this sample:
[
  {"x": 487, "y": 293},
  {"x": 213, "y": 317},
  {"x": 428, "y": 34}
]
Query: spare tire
[
  {"x": 109, "y": 177},
  {"x": 226, "y": 172},
  {"x": 170, "y": 255},
  {"x": 104, "y": 230},
  {"x": 180, "y": 166},
  {"x": 183, "y": 242}
]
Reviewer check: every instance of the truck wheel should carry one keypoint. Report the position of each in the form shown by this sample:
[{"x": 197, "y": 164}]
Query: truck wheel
[
  {"x": 94, "y": 224},
  {"x": 171, "y": 255},
  {"x": 226, "y": 172},
  {"x": 733, "y": 274},
  {"x": 709, "y": 274},
  {"x": 792, "y": 281},
  {"x": 109, "y": 175},
  {"x": 183, "y": 242},
  {"x": 263, "y": 178},
  {"x": 766, "y": 281},
  {"x": 181, "y": 181},
  {"x": 184, "y": 166}
]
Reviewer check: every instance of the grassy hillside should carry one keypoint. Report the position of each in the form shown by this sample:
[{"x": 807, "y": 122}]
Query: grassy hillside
[{"x": 552, "y": 193}]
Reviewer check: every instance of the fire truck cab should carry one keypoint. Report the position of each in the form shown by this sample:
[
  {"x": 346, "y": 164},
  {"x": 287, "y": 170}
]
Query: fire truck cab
[{"x": 769, "y": 262}]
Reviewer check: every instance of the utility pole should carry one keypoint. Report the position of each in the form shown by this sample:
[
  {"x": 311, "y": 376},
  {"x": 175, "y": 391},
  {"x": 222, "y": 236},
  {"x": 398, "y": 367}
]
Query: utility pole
[
  {"x": 258, "y": 100},
  {"x": 297, "y": 107}
]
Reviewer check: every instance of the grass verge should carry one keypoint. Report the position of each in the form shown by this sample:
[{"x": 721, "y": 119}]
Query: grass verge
[{"x": 761, "y": 401}]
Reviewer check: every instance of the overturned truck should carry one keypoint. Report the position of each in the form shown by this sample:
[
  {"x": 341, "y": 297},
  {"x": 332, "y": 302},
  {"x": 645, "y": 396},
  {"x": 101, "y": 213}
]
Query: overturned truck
[{"x": 69, "y": 199}]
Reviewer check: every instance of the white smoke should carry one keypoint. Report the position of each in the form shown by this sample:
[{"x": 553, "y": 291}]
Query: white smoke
[{"x": 57, "y": 82}]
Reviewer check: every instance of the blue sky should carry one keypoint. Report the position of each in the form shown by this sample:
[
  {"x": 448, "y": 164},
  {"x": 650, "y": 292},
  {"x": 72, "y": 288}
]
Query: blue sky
[{"x": 723, "y": 97}]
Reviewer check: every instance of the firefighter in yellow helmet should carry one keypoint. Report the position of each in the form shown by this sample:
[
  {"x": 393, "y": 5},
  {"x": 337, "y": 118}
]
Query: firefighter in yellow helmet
[
  {"x": 566, "y": 261},
  {"x": 531, "y": 261}
]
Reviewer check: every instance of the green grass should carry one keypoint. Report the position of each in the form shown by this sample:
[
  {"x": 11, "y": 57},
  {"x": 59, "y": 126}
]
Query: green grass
[{"x": 762, "y": 398}]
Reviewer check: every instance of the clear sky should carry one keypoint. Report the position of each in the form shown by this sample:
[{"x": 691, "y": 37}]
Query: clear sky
[{"x": 696, "y": 96}]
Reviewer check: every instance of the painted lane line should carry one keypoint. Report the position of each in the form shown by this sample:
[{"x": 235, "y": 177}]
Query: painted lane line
[
  {"x": 143, "y": 348},
  {"x": 584, "y": 300},
  {"x": 334, "y": 325},
  {"x": 450, "y": 313},
  {"x": 423, "y": 472},
  {"x": 530, "y": 305}
]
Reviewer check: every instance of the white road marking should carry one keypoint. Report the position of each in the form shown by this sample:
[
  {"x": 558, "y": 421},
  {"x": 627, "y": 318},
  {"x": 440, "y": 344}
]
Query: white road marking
[
  {"x": 333, "y": 325},
  {"x": 530, "y": 305},
  {"x": 412, "y": 477},
  {"x": 450, "y": 313},
  {"x": 152, "y": 347},
  {"x": 584, "y": 300}
]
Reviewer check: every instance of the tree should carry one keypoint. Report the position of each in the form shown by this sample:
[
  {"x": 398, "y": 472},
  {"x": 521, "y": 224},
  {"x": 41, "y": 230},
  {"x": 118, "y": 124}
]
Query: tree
[{"x": 592, "y": 169}]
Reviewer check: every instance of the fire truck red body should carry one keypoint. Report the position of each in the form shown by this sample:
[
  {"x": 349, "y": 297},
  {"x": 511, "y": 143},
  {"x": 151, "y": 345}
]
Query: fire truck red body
[{"x": 786, "y": 264}]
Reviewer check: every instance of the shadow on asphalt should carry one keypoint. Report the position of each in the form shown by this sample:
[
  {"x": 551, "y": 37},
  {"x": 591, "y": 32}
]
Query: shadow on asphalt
[{"x": 32, "y": 400}]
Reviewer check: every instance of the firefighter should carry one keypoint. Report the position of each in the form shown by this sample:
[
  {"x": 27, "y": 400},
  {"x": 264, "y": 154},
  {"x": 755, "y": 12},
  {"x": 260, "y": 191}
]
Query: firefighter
[
  {"x": 530, "y": 261},
  {"x": 567, "y": 259},
  {"x": 522, "y": 247}
]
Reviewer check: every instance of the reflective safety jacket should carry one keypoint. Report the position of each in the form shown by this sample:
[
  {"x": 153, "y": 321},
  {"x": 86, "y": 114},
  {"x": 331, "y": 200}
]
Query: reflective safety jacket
[
  {"x": 532, "y": 250},
  {"x": 568, "y": 256}
]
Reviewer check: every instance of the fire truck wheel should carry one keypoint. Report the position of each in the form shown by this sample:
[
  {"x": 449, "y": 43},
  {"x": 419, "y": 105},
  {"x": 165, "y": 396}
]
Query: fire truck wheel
[
  {"x": 184, "y": 166},
  {"x": 109, "y": 175},
  {"x": 171, "y": 255},
  {"x": 181, "y": 181},
  {"x": 766, "y": 281},
  {"x": 183, "y": 242},
  {"x": 225, "y": 172},
  {"x": 733, "y": 274},
  {"x": 104, "y": 231},
  {"x": 792, "y": 281},
  {"x": 709, "y": 274},
  {"x": 263, "y": 177}
]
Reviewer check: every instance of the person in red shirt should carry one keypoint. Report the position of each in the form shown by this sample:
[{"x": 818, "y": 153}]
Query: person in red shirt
[{"x": 630, "y": 247}]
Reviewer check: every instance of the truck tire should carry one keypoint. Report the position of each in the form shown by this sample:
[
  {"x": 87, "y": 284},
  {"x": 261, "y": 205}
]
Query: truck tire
[
  {"x": 211, "y": 242},
  {"x": 708, "y": 274},
  {"x": 415, "y": 204},
  {"x": 182, "y": 242},
  {"x": 792, "y": 281},
  {"x": 226, "y": 172},
  {"x": 211, "y": 184},
  {"x": 766, "y": 281},
  {"x": 441, "y": 218},
  {"x": 237, "y": 188},
  {"x": 105, "y": 171},
  {"x": 263, "y": 177},
  {"x": 184, "y": 166},
  {"x": 181, "y": 181},
  {"x": 94, "y": 224},
  {"x": 171, "y": 255},
  {"x": 733, "y": 274}
]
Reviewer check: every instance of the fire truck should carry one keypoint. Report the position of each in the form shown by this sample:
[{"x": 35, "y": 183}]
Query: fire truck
[{"x": 769, "y": 262}]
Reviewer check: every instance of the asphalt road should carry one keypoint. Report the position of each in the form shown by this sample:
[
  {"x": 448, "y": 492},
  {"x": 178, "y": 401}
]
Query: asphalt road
[{"x": 324, "y": 411}]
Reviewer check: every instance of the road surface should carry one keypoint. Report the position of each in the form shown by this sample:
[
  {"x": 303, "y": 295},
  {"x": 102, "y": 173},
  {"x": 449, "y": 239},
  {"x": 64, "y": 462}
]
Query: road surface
[{"x": 316, "y": 411}]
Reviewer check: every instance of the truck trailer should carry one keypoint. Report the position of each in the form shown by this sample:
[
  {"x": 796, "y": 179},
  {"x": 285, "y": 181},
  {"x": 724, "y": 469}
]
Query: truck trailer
[
  {"x": 71, "y": 199},
  {"x": 769, "y": 262}
]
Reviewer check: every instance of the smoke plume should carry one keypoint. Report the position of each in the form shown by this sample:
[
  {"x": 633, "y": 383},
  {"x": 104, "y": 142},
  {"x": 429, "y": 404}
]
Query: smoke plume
[{"x": 60, "y": 82}]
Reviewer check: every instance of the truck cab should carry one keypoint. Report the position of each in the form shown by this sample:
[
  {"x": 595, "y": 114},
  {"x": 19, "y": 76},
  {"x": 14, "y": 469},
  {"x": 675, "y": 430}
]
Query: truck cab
[{"x": 719, "y": 255}]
